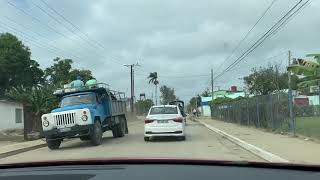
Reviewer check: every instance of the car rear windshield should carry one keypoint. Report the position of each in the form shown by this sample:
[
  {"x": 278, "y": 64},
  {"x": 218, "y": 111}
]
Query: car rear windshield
[
  {"x": 78, "y": 99},
  {"x": 164, "y": 110}
]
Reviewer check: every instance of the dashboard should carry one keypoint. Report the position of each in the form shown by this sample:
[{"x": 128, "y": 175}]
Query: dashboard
[{"x": 154, "y": 172}]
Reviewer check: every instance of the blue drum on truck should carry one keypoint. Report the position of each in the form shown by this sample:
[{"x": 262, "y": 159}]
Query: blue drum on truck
[{"x": 85, "y": 112}]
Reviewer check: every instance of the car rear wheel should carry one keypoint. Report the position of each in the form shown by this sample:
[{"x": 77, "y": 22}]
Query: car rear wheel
[
  {"x": 146, "y": 138},
  {"x": 96, "y": 134}
]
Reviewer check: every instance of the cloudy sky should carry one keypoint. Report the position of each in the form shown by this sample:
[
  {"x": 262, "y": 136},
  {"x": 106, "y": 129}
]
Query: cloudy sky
[{"x": 182, "y": 40}]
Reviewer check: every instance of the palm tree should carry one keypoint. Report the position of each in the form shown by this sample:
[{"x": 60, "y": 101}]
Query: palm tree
[{"x": 153, "y": 78}]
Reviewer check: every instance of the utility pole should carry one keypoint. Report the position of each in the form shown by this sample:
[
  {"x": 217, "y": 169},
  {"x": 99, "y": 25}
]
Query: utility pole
[
  {"x": 132, "y": 84},
  {"x": 211, "y": 109},
  {"x": 290, "y": 98}
]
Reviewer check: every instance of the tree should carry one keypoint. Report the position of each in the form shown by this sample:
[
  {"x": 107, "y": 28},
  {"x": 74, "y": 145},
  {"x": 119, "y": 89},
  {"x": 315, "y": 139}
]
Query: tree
[
  {"x": 310, "y": 70},
  {"x": 61, "y": 73},
  {"x": 84, "y": 74},
  {"x": 36, "y": 100},
  {"x": 193, "y": 103},
  {"x": 153, "y": 78},
  {"x": 167, "y": 94},
  {"x": 266, "y": 80},
  {"x": 143, "y": 106},
  {"x": 16, "y": 67},
  {"x": 206, "y": 93}
]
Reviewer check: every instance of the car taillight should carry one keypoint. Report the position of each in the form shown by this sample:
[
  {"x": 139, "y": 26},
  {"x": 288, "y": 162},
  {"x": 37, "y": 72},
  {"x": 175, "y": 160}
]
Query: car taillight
[
  {"x": 180, "y": 120},
  {"x": 148, "y": 121}
]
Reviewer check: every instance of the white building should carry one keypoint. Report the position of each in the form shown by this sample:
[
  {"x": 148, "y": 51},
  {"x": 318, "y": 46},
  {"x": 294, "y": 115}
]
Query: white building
[{"x": 11, "y": 115}]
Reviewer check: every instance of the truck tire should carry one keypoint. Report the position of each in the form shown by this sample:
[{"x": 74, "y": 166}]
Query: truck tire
[
  {"x": 96, "y": 134},
  {"x": 53, "y": 144},
  {"x": 85, "y": 138},
  {"x": 119, "y": 130},
  {"x": 182, "y": 138}
]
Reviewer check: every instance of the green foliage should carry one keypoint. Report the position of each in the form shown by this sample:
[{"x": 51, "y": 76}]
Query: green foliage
[
  {"x": 40, "y": 99},
  {"x": 143, "y": 106},
  {"x": 61, "y": 73},
  {"x": 153, "y": 78},
  {"x": 167, "y": 94},
  {"x": 192, "y": 103},
  {"x": 84, "y": 74},
  {"x": 266, "y": 80},
  {"x": 309, "y": 69},
  {"x": 16, "y": 67},
  {"x": 206, "y": 93}
]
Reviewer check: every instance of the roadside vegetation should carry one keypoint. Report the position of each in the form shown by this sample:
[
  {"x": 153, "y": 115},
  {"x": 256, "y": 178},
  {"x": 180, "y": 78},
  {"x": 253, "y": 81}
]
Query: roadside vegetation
[{"x": 23, "y": 80}]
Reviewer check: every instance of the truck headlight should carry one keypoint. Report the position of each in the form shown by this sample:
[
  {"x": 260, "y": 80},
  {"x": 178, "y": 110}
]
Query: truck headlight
[
  {"x": 45, "y": 123},
  {"x": 84, "y": 117}
]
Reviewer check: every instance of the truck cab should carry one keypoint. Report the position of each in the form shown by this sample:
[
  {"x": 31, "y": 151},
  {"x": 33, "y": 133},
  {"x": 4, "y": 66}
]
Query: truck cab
[{"x": 85, "y": 113}]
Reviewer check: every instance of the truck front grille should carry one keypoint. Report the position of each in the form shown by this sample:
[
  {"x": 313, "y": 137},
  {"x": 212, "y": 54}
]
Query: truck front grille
[{"x": 66, "y": 119}]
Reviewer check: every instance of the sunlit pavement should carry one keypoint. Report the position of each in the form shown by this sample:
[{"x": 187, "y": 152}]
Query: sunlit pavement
[{"x": 200, "y": 143}]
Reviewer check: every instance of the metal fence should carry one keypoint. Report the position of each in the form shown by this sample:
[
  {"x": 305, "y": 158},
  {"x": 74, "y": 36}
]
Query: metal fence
[
  {"x": 269, "y": 111},
  {"x": 272, "y": 112}
]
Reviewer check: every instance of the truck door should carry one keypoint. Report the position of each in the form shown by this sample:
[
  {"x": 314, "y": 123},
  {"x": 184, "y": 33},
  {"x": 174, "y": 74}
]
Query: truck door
[
  {"x": 100, "y": 107},
  {"x": 105, "y": 104}
]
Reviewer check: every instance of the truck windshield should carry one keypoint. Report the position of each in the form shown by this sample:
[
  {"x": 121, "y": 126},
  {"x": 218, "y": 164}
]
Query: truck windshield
[
  {"x": 78, "y": 99},
  {"x": 164, "y": 110}
]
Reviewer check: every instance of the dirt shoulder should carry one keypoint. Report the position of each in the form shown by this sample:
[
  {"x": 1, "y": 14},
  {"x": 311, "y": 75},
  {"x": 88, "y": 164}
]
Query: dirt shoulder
[{"x": 293, "y": 149}]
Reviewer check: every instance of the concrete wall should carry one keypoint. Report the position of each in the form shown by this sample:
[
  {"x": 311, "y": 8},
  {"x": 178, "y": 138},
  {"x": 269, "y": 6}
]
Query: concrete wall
[{"x": 8, "y": 115}]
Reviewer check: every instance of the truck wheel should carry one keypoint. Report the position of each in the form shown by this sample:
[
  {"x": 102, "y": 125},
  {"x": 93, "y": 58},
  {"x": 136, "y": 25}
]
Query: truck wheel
[
  {"x": 85, "y": 138},
  {"x": 119, "y": 130},
  {"x": 96, "y": 134},
  {"x": 53, "y": 144},
  {"x": 182, "y": 138}
]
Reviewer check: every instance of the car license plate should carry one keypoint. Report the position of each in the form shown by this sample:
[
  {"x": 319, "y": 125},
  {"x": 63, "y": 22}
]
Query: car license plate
[
  {"x": 65, "y": 129},
  {"x": 162, "y": 121}
]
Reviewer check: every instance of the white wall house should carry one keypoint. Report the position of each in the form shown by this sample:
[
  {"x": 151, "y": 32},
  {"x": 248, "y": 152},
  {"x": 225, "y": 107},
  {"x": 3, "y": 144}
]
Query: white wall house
[{"x": 11, "y": 115}]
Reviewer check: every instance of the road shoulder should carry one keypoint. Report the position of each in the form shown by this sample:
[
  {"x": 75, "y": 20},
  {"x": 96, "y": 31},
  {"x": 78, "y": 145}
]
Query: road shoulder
[{"x": 276, "y": 147}]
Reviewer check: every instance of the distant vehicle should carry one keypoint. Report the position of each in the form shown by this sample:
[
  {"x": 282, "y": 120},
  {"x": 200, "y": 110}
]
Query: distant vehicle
[
  {"x": 164, "y": 120},
  {"x": 180, "y": 104},
  {"x": 85, "y": 112}
]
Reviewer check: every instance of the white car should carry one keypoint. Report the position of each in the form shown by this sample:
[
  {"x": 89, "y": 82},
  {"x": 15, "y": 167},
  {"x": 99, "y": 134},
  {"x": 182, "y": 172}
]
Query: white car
[{"x": 164, "y": 120}]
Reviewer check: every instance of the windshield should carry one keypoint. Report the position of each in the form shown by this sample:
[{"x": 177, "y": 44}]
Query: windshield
[
  {"x": 163, "y": 110},
  {"x": 78, "y": 99},
  {"x": 211, "y": 79}
]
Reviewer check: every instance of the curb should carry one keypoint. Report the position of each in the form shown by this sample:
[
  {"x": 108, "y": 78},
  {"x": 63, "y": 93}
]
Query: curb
[
  {"x": 18, "y": 150},
  {"x": 268, "y": 156}
]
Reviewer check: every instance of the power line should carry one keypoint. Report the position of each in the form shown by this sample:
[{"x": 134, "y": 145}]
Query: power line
[
  {"x": 294, "y": 14},
  {"x": 31, "y": 40},
  {"x": 70, "y": 23},
  {"x": 57, "y": 32},
  {"x": 88, "y": 39},
  {"x": 59, "y": 22},
  {"x": 269, "y": 33},
  {"x": 261, "y": 61},
  {"x": 260, "y": 40},
  {"x": 178, "y": 77},
  {"x": 47, "y": 41},
  {"x": 248, "y": 33}
]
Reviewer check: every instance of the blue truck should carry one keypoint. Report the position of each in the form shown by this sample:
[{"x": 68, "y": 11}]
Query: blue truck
[{"x": 85, "y": 112}]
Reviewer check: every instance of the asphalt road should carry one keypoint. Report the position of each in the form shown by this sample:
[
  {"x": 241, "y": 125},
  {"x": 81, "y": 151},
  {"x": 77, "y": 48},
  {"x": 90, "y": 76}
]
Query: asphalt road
[{"x": 200, "y": 143}]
